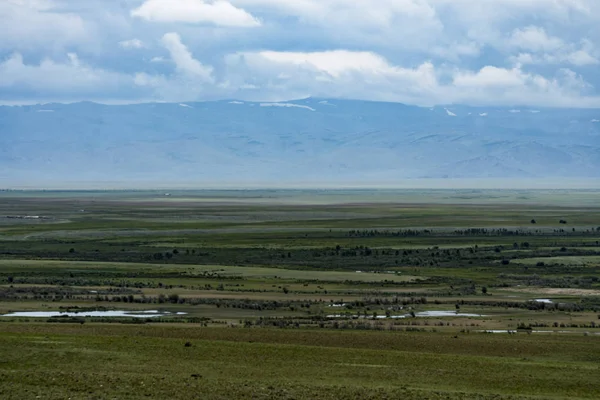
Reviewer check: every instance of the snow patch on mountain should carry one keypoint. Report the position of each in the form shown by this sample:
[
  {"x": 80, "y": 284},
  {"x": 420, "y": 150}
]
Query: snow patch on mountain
[
  {"x": 288, "y": 105},
  {"x": 326, "y": 103}
]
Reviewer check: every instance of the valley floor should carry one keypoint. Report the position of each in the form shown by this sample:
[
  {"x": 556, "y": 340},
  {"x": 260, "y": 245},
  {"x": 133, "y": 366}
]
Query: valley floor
[{"x": 300, "y": 295}]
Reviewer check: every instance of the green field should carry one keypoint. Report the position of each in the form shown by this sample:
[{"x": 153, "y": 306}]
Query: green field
[
  {"x": 300, "y": 294},
  {"x": 141, "y": 362}
]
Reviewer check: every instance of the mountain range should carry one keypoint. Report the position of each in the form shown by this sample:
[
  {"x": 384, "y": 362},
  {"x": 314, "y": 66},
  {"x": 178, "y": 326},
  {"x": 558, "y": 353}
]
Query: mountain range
[{"x": 307, "y": 140}]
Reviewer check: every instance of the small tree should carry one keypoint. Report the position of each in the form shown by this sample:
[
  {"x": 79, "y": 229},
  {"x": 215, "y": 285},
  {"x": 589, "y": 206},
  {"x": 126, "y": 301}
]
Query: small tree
[
  {"x": 533, "y": 221},
  {"x": 484, "y": 290}
]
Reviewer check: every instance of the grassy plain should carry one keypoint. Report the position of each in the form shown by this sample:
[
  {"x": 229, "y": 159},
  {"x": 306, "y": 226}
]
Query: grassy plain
[
  {"x": 301, "y": 294},
  {"x": 140, "y": 362}
]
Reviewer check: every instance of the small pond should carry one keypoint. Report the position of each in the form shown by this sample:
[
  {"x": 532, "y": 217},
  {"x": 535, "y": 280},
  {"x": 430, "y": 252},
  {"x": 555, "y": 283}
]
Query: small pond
[{"x": 113, "y": 313}]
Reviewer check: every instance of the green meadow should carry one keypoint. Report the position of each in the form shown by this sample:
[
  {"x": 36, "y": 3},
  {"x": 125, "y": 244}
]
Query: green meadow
[{"x": 300, "y": 294}]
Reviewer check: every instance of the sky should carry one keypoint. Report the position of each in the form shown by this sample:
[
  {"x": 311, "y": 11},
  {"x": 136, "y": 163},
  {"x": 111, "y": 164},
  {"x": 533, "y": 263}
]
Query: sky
[{"x": 543, "y": 53}]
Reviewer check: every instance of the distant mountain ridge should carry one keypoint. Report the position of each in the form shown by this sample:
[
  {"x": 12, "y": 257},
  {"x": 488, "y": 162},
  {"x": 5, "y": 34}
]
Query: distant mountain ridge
[{"x": 303, "y": 140}]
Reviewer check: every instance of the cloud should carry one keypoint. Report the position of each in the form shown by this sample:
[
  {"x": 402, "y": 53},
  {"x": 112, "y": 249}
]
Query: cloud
[
  {"x": 219, "y": 12},
  {"x": 544, "y": 49},
  {"x": 413, "y": 24},
  {"x": 365, "y": 12},
  {"x": 338, "y": 73},
  {"x": 538, "y": 52},
  {"x": 489, "y": 77},
  {"x": 369, "y": 76},
  {"x": 132, "y": 44},
  {"x": 29, "y": 24},
  {"x": 535, "y": 39},
  {"x": 493, "y": 85},
  {"x": 69, "y": 80},
  {"x": 183, "y": 59},
  {"x": 578, "y": 58},
  {"x": 581, "y": 58},
  {"x": 333, "y": 63},
  {"x": 191, "y": 79},
  {"x": 454, "y": 51}
]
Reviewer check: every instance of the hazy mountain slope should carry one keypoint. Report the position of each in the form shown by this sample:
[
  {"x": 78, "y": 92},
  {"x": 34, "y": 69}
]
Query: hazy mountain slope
[{"x": 311, "y": 139}]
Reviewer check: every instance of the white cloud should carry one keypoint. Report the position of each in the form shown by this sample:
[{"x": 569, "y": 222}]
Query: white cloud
[
  {"x": 578, "y": 58},
  {"x": 34, "y": 24},
  {"x": 370, "y": 76},
  {"x": 489, "y": 77},
  {"x": 284, "y": 75},
  {"x": 183, "y": 59},
  {"x": 581, "y": 58},
  {"x": 190, "y": 81},
  {"x": 334, "y": 63},
  {"x": 493, "y": 85},
  {"x": 71, "y": 79},
  {"x": 544, "y": 49},
  {"x": 413, "y": 51},
  {"x": 455, "y": 51},
  {"x": 445, "y": 28},
  {"x": 535, "y": 39},
  {"x": 132, "y": 44},
  {"x": 412, "y": 24},
  {"x": 219, "y": 12},
  {"x": 365, "y": 12}
]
